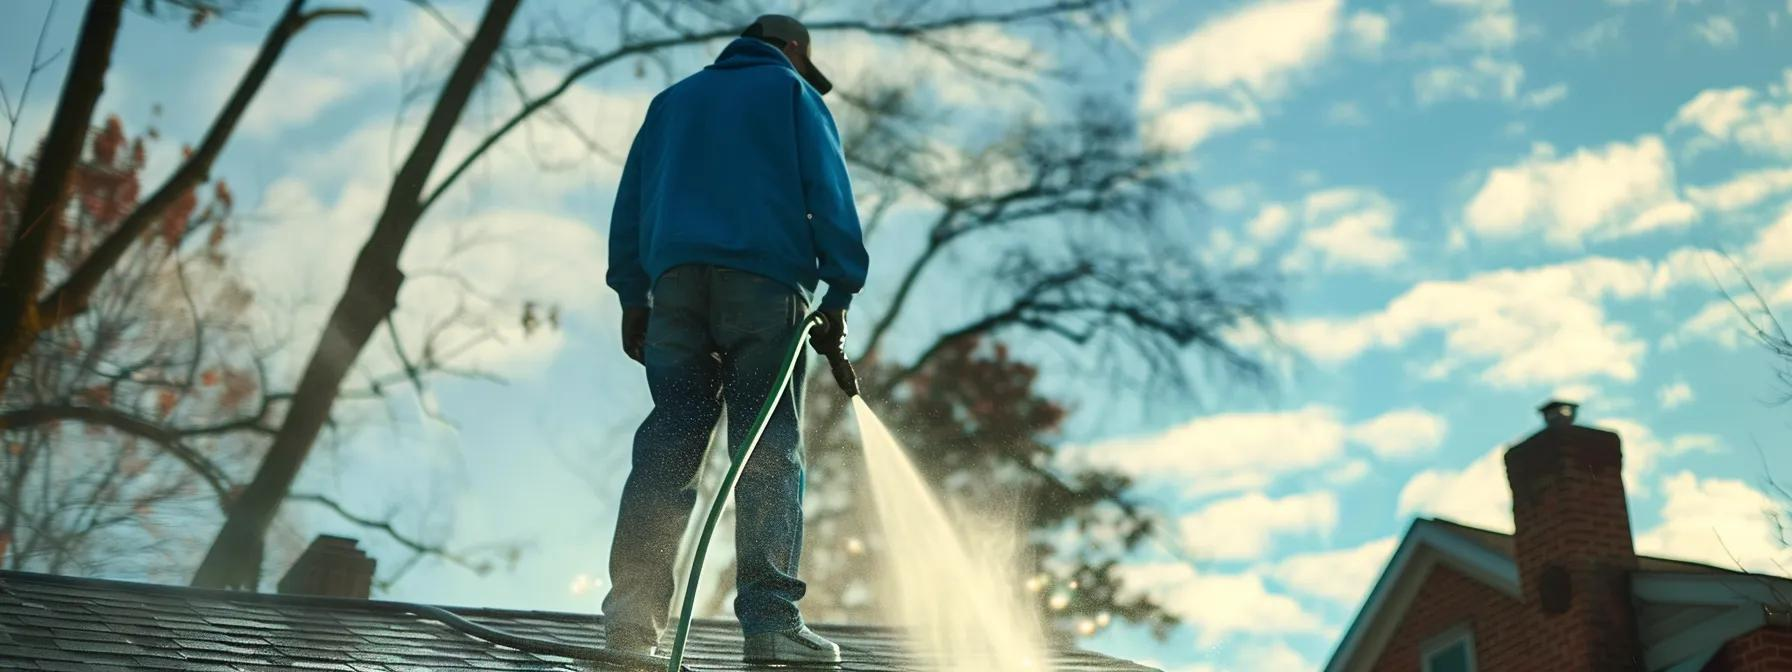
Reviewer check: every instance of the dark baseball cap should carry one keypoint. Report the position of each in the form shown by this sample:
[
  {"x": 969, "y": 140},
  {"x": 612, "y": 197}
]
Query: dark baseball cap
[{"x": 780, "y": 28}]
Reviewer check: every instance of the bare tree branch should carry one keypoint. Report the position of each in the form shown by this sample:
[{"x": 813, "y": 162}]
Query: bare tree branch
[
  {"x": 170, "y": 440},
  {"x": 74, "y": 293},
  {"x": 13, "y": 114},
  {"x": 597, "y": 61}
]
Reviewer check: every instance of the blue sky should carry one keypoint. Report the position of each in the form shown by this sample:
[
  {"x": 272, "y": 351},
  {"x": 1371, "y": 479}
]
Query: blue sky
[{"x": 1478, "y": 204}]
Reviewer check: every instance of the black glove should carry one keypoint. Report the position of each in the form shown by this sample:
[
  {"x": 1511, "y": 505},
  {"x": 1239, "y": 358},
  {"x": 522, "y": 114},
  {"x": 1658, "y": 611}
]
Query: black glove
[
  {"x": 829, "y": 337},
  {"x": 634, "y": 332},
  {"x": 829, "y": 340}
]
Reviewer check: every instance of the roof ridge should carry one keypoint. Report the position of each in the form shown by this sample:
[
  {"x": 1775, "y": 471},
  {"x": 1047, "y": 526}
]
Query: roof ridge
[{"x": 1689, "y": 564}]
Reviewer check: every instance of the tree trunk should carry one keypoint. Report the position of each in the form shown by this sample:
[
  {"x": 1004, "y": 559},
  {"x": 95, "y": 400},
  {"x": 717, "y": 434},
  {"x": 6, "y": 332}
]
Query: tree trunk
[
  {"x": 71, "y": 298},
  {"x": 234, "y": 560},
  {"x": 22, "y": 271},
  {"x": 22, "y": 315}
]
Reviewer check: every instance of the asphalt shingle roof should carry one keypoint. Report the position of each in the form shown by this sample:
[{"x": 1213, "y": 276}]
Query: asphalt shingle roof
[{"x": 61, "y": 623}]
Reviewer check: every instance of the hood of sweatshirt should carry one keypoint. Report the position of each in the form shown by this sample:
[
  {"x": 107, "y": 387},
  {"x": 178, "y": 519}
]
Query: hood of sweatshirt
[{"x": 747, "y": 52}]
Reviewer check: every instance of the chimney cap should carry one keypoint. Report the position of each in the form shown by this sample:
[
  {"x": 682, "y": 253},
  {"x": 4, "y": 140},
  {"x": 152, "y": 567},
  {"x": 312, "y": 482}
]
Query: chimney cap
[{"x": 1558, "y": 413}]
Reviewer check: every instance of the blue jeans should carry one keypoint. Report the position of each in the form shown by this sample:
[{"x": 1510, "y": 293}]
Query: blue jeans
[{"x": 715, "y": 335}]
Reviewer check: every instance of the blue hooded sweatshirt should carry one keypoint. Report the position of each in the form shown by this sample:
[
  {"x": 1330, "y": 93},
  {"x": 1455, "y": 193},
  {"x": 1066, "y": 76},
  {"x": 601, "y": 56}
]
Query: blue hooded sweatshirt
[{"x": 738, "y": 166}]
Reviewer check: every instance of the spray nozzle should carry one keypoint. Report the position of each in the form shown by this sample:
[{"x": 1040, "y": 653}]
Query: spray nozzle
[
  {"x": 828, "y": 336},
  {"x": 843, "y": 374}
]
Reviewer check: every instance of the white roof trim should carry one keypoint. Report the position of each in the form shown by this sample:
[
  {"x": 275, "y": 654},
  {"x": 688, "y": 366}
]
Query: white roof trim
[
  {"x": 1425, "y": 545},
  {"x": 1744, "y": 594}
]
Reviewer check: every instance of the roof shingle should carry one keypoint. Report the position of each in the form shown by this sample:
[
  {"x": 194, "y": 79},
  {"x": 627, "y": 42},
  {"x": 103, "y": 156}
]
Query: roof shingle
[{"x": 61, "y": 623}]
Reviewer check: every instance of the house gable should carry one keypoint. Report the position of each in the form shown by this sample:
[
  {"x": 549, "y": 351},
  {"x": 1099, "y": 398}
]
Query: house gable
[
  {"x": 1448, "y": 600},
  {"x": 1690, "y": 617},
  {"x": 1428, "y": 544}
]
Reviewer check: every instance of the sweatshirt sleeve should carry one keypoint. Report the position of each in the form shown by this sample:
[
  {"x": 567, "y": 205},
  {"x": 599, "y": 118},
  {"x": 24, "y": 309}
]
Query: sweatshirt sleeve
[
  {"x": 827, "y": 193},
  {"x": 626, "y": 274}
]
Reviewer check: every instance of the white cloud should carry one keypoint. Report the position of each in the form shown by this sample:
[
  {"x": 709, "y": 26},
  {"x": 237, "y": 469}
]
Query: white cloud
[
  {"x": 328, "y": 64},
  {"x": 1675, "y": 395},
  {"x": 556, "y": 159},
  {"x": 1545, "y": 97},
  {"x": 511, "y": 256},
  {"x": 1772, "y": 247},
  {"x": 1401, "y": 434},
  {"x": 1545, "y": 324},
  {"x": 1729, "y": 324},
  {"x": 1642, "y": 450},
  {"x": 1476, "y": 60},
  {"x": 852, "y": 57},
  {"x": 1717, "y": 112},
  {"x": 1757, "y": 121},
  {"x": 1215, "y": 79},
  {"x": 1225, "y": 452},
  {"x": 1605, "y": 32},
  {"x": 1695, "y": 443},
  {"x": 1579, "y": 393},
  {"x": 1232, "y": 197},
  {"x": 297, "y": 262},
  {"x": 1348, "y": 473},
  {"x": 1277, "y": 657},
  {"x": 298, "y": 89},
  {"x": 1342, "y": 576},
  {"x": 1347, "y": 228},
  {"x": 1238, "y": 452},
  {"x": 1620, "y": 189},
  {"x": 1491, "y": 30},
  {"x": 1488, "y": 24},
  {"x": 1257, "y": 48},
  {"x": 1717, "y": 322},
  {"x": 1474, "y": 495},
  {"x": 1270, "y": 223},
  {"x": 1479, "y": 495},
  {"x": 1224, "y": 249},
  {"x": 1187, "y": 126},
  {"x": 1718, "y": 31},
  {"x": 1484, "y": 78},
  {"x": 1720, "y": 522},
  {"x": 1250, "y": 606},
  {"x": 542, "y": 159},
  {"x": 1368, "y": 32},
  {"x": 1743, "y": 190},
  {"x": 1243, "y": 527}
]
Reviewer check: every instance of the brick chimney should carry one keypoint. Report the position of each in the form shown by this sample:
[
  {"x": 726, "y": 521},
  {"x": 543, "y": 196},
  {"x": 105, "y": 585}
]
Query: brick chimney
[
  {"x": 330, "y": 566},
  {"x": 1573, "y": 543}
]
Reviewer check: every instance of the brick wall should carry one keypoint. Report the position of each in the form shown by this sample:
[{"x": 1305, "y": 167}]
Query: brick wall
[
  {"x": 1765, "y": 650},
  {"x": 1508, "y": 636}
]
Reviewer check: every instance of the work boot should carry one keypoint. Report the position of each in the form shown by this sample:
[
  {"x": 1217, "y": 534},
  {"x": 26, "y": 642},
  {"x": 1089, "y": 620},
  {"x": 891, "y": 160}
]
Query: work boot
[
  {"x": 630, "y": 640},
  {"x": 791, "y": 647}
]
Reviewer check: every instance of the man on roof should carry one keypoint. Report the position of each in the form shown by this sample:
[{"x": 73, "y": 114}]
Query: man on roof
[{"x": 734, "y": 203}]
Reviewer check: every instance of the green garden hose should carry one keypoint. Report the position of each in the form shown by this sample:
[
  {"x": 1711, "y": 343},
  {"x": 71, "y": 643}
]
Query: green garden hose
[{"x": 737, "y": 460}]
